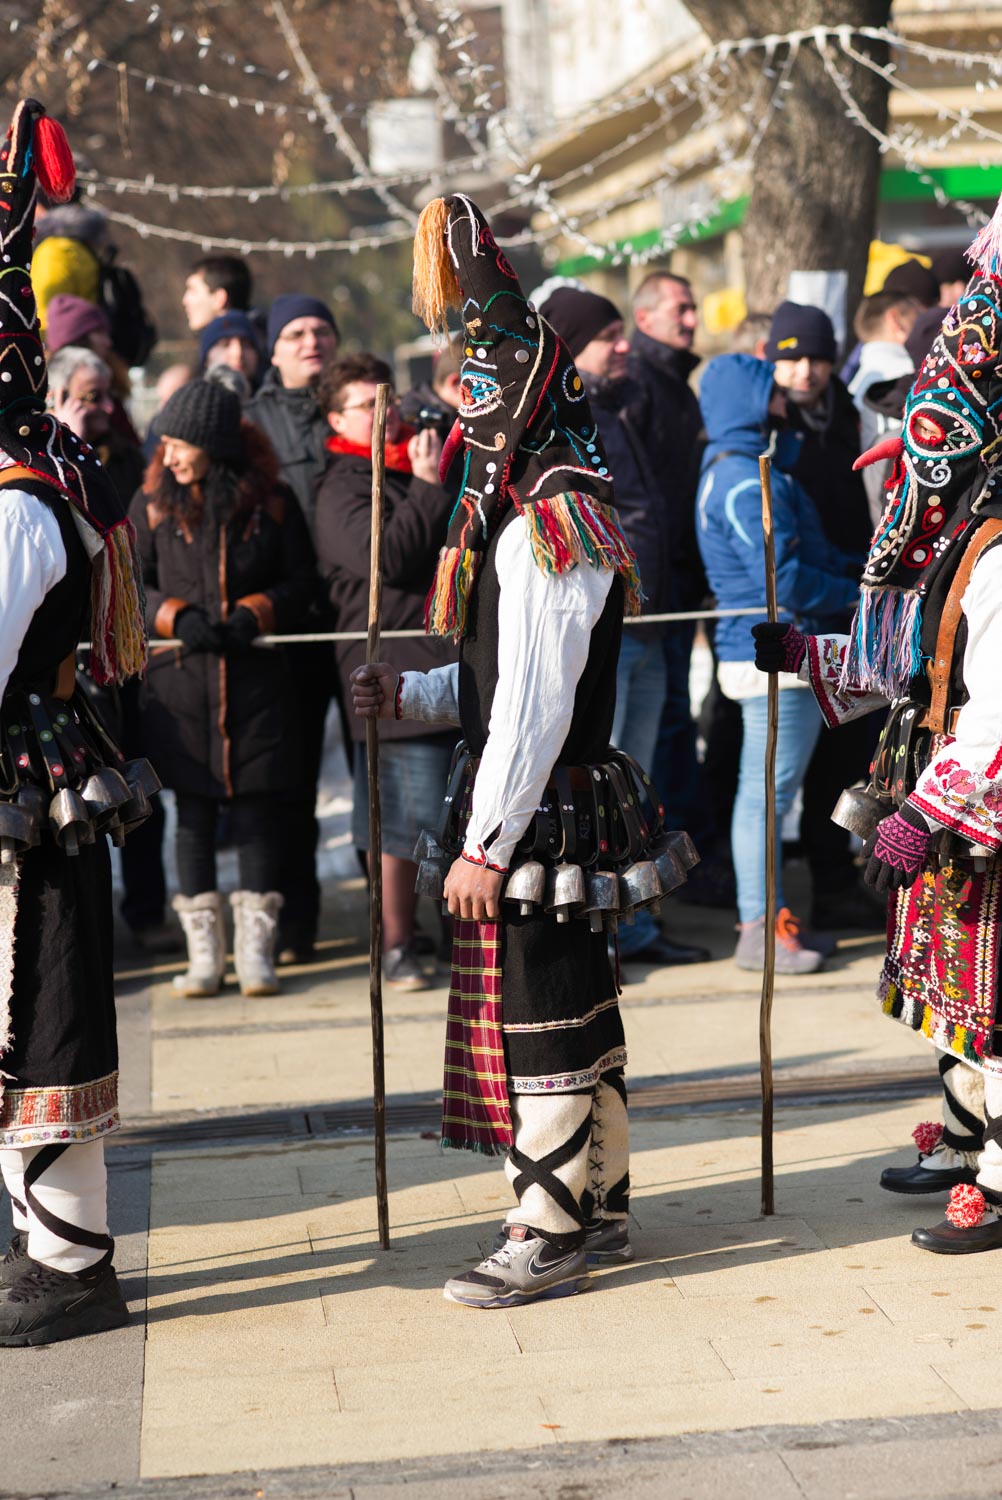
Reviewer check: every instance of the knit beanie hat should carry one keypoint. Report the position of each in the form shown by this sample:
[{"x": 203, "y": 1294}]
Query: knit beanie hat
[
  {"x": 951, "y": 265},
  {"x": 800, "y": 332},
  {"x": 229, "y": 325},
  {"x": 578, "y": 317},
  {"x": 296, "y": 305},
  {"x": 207, "y": 415},
  {"x": 71, "y": 319},
  {"x": 915, "y": 280}
]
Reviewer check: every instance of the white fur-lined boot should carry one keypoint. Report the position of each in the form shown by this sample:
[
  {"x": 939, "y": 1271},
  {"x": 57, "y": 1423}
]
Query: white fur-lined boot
[
  {"x": 201, "y": 919},
  {"x": 255, "y": 929}
]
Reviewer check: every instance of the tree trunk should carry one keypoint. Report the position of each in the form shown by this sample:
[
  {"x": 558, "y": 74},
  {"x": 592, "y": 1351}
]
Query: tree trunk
[{"x": 816, "y": 172}]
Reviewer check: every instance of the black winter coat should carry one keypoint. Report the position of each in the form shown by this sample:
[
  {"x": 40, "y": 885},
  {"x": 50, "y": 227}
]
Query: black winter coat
[
  {"x": 297, "y": 429},
  {"x": 226, "y": 725},
  {"x": 665, "y": 414},
  {"x": 415, "y": 522},
  {"x": 640, "y": 501},
  {"x": 830, "y": 447}
]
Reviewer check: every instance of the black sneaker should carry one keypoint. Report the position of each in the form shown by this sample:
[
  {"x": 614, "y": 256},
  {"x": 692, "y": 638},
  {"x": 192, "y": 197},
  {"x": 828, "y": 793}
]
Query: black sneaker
[
  {"x": 605, "y": 1240},
  {"x": 16, "y": 1255},
  {"x": 45, "y": 1306}
]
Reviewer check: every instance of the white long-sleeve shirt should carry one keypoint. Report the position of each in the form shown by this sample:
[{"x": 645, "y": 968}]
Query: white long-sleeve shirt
[
  {"x": 544, "y": 633},
  {"x": 961, "y": 788},
  {"x": 32, "y": 561}
]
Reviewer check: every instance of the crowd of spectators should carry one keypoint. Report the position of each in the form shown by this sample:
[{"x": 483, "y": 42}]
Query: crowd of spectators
[{"x": 251, "y": 498}]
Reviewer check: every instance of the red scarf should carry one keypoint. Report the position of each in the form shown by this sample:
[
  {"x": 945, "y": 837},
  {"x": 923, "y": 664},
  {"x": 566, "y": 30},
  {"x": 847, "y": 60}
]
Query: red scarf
[{"x": 397, "y": 456}]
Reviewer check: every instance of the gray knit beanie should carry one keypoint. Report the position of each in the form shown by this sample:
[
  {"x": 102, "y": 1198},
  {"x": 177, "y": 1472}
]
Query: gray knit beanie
[{"x": 208, "y": 415}]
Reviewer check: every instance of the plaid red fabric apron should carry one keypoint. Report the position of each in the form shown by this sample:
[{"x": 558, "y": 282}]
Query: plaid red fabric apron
[{"x": 475, "y": 1111}]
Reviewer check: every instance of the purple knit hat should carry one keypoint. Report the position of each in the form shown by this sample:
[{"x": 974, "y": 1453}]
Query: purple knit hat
[{"x": 71, "y": 319}]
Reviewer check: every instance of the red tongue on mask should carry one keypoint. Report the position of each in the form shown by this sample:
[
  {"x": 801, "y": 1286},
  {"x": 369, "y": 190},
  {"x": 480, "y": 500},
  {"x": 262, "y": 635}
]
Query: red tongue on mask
[
  {"x": 450, "y": 448},
  {"x": 891, "y": 447}
]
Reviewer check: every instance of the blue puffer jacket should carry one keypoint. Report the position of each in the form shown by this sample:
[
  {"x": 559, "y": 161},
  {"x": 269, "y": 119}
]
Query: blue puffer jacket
[{"x": 813, "y": 579}]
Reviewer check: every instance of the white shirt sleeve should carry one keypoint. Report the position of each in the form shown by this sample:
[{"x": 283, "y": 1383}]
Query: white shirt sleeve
[
  {"x": 32, "y": 561},
  {"x": 821, "y": 669},
  {"x": 962, "y": 787},
  {"x": 431, "y": 697},
  {"x": 544, "y": 634}
]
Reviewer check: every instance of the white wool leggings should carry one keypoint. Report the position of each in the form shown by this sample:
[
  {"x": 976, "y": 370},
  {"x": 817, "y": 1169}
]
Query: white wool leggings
[
  {"x": 990, "y": 1160},
  {"x": 59, "y": 1195},
  {"x": 571, "y": 1157}
]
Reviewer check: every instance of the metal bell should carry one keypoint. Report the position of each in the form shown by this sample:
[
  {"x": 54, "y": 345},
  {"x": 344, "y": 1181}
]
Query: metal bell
[
  {"x": 70, "y": 821},
  {"x": 859, "y": 811},
  {"x": 105, "y": 792},
  {"x": 140, "y": 772},
  {"x": 671, "y": 871},
  {"x": 684, "y": 850},
  {"x": 565, "y": 891},
  {"x": 130, "y": 815},
  {"x": 431, "y": 878},
  {"x": 33, "y": 801},
  {"x": 527, "y": 885},
  {"x": 639, "y": 885},
  {"x": 17, "y": 832},
  {"x": 601, "y": 898}
]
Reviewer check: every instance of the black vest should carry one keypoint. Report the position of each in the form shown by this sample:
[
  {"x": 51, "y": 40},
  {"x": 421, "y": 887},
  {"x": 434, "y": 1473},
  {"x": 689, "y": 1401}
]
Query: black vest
[
  {"x": 595, "y": 700},
  {"x": 61, "y": 618}
]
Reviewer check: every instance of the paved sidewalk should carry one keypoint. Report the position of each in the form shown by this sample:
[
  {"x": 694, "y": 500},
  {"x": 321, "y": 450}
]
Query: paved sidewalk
[{"x": 283, "y": 1346}]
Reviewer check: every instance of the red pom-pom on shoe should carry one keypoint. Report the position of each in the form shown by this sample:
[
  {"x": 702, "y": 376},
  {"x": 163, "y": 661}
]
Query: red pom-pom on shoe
[
  {"x": 966, "y": 1207},
  {"x": 53, "y": 161},
  {"x": 927, "y": 1136}
]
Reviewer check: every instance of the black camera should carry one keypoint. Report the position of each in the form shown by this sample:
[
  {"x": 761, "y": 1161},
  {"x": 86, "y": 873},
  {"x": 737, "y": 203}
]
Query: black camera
[{"x": 436, "y": 418}]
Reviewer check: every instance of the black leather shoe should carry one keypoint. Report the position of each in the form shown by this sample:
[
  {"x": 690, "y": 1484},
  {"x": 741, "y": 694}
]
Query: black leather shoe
[
  {"x": 947, "y": 1239},
  {"x": 919, "y": 1179},
  {"x": 662, "y": 950}
]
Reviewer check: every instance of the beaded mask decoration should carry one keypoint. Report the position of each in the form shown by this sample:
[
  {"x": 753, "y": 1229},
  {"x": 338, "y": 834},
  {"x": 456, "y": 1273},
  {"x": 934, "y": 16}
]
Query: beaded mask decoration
[
  {"x": 34, "y": 447},
  {"x": 525, "y": 431}
]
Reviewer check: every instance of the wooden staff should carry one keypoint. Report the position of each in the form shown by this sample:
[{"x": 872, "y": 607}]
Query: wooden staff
[
  {"x": 376, "y": 820},
  {"x": 769, "y": 962}
]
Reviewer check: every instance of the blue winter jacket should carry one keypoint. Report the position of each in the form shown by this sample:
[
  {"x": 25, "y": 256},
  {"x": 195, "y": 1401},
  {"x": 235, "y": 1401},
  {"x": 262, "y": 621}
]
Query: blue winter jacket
[{"x": 813, "y": 578}]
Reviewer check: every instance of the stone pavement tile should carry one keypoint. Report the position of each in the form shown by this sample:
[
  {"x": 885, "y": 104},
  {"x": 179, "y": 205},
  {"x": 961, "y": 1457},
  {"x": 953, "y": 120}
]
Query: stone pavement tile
[
  {"x": 221, "y": 1393},
  {"x": 356, "y": 1340},
  {"x": 975, "y": 1374},
  {"x": 642, "y": 1404},
  {"x": 875, "y": 1350},
  {"x": 753, "y": 1476},
  {"x": 720, "y": 1260},
  {"x": 215, "y": 1176},
  {"x": 950, "y": 1305},
  {"x": 890, "y": 1470},
  {"x": 633, "y": 1306}
]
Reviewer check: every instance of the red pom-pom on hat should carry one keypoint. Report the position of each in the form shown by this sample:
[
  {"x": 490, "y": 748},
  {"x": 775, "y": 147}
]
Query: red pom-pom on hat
[
  {"x": 966, "y": 1207},
  {"x": 927, "y": 1136},
  {"x": 53, "y": 161}
]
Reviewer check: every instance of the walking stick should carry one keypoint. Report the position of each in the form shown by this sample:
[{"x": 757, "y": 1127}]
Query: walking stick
[
  {"x": 769, "y": 962},
  {"x": 376, "y": 821}
]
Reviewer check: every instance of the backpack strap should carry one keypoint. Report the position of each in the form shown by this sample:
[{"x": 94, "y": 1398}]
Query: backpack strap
[{"x": 949, "y": 623}]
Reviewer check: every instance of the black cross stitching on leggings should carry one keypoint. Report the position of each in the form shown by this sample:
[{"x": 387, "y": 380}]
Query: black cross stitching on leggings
[
  {"x": 72, "y": 1233},
  {"x": 541, "y": 1172}
]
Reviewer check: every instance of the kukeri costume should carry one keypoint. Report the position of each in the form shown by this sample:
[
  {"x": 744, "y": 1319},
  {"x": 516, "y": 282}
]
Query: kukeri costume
[
  {"x": 66, "y": 553},
  {"x": 928, "y": 637},
  {"x": 533, "y": 580}
]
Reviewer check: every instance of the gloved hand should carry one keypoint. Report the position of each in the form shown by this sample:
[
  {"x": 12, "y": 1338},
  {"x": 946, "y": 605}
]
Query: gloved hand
[
  {"x": 237, "y": 632},
  {"x": 193, "y": 626},
  {"x": 896, "y": 850},
  {"x": 778, "y": 648}
]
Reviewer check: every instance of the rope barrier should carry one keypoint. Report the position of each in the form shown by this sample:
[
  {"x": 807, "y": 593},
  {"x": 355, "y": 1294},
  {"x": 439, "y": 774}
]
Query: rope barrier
[{"x": 324, "y": 636}]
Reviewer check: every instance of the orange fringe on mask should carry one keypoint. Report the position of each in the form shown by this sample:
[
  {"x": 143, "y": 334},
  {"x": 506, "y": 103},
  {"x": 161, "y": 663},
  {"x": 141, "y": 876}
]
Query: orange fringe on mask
[{"x": 436, "y": 289}]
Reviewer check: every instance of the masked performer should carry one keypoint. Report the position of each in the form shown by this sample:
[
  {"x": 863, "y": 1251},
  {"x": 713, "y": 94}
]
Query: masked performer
[
  {"x": 928, "y": 638},
  {"x": 67, "y": 568},
  {"x": 533, "y": 580}
]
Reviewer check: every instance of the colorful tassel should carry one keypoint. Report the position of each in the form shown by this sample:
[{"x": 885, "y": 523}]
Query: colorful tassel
[
  {"x": 966, "y": 1207},
  {"x": 436, "y": 289},
  {"x": 927, "y": 1136},
  {"x": 986, "y": 251},
  {"x": 53, "y": 160},
  {"x": 118, "y": 609},
  {"x": 445, "y": 609},
  {"x": 572, "y": 528},
  {"x": 885, "y": 644}
]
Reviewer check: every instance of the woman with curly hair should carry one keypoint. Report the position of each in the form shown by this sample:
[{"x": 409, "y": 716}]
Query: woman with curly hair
[{"x": 226, "y": 557}]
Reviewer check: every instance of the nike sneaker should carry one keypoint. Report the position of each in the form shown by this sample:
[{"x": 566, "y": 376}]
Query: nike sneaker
[{"x": 525, "y": 1269}]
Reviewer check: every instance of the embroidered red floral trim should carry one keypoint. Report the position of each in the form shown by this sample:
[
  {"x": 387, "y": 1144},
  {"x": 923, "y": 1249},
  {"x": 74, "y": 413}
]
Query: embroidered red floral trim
[{"x": 483, "y": 862}]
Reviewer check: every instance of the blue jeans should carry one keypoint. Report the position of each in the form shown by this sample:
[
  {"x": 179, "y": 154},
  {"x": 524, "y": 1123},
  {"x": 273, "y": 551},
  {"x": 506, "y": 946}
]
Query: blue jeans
[
  {"x": 799, "y": 727},
  {"x": 641, "y": 687}
]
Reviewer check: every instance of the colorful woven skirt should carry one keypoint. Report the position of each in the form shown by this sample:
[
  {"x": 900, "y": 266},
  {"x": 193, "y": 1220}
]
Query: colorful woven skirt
[
  {"x": 941, "y": 973},
  {"x": 532, "y": 1010}
]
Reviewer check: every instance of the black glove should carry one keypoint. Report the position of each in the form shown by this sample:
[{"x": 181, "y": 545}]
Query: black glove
[
  {"x": 778, "y": 648},
  {"x": 193, "y": 626},
  {"x": 896, "y": 850},
  {"x": 239, "y": 629}
]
